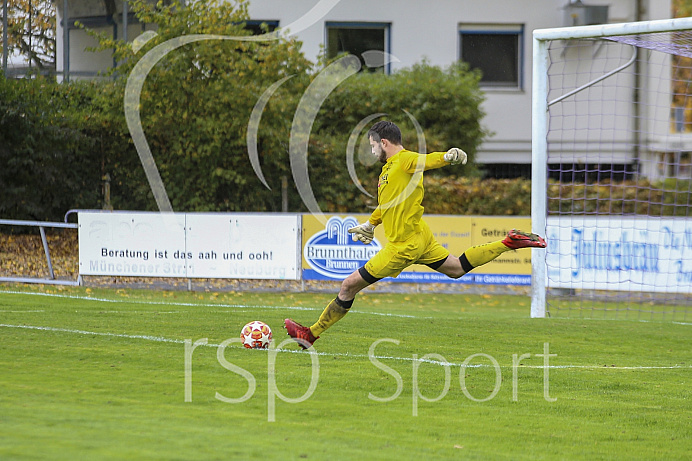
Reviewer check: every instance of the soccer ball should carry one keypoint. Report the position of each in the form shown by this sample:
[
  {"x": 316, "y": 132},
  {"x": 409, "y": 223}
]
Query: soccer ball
[{"x": 256, "y": 335}]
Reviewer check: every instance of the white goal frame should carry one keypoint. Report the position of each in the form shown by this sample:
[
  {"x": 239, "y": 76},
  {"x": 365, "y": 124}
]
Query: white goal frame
[{"x": 540, "y": 104}]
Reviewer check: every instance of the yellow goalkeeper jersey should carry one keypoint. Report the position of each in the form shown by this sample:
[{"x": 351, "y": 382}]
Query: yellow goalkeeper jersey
[{"x": 400, "y": 193}]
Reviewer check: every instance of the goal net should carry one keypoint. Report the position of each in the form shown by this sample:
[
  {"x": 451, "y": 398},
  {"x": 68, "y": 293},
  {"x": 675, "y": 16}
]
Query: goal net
[{"x": 612, "y": 171}]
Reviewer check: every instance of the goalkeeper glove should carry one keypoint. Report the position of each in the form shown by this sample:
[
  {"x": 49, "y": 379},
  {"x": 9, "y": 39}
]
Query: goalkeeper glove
[
  {"x": 364, "y": 232},
  {"x": 455, "y": 156}
]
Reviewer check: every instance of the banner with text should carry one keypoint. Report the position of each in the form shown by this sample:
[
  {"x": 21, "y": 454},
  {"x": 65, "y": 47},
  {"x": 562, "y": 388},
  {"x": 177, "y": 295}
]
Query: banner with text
[
  {"x": 193, "y": 245},
  {"x": 629, "y": 254},
  {"x": 329, "y": 252}
]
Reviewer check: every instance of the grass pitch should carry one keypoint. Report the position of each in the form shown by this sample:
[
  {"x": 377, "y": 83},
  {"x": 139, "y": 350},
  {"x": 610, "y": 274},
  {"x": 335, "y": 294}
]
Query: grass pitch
[{"x": 105, "y": 374}]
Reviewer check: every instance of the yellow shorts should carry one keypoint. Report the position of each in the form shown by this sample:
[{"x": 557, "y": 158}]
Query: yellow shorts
[{"x": 421, "y": 248}]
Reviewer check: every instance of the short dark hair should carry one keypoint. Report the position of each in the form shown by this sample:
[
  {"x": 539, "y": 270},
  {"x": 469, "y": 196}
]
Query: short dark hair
[{"x": 385, "y": 129}]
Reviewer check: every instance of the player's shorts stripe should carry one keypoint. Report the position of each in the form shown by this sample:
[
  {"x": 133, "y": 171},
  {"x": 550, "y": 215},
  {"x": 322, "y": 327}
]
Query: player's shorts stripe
[
  {"x": 437, "y": 264},
  {"x": 366, "y": 275}
]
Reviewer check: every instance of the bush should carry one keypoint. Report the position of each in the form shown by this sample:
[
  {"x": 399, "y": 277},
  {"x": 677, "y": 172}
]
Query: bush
[
  {"x": 473, "y": 196},
  {"x": 48, "y": 164},
  {"x": 444, "y": 102},
  {"x": 642, "y": 197}
]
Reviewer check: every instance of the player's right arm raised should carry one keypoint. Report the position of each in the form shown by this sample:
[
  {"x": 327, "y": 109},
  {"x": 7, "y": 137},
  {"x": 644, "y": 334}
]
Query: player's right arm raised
[{"x": 413, "y": 162}]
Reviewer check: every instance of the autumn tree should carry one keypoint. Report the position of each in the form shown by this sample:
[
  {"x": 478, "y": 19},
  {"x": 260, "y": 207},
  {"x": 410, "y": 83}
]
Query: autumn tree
[
  {"x": 196, "y": 105},
  {"x": 682, "y": 70},
  {"x": 31, "y": 31}
]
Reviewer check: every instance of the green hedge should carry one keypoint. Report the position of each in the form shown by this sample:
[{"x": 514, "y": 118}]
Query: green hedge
[
  {"x": 669, "y": 198},
  {"x": 500, "y": 197},
  {"x": 58, "y": 141},
  {"x": 48, "y": 164},
  {"x": 473, "y": 196}
]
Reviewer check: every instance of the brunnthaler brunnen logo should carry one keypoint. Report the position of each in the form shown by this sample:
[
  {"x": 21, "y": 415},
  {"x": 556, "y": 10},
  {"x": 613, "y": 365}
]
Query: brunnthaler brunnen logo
[{"x": 333, "y": 254}]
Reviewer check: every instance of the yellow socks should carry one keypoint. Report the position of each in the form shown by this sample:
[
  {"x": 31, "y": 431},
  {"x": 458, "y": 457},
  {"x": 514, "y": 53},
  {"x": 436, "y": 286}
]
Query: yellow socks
[
  {"x": 331, "y": 314},
  {"x": 482, "y": 254}
]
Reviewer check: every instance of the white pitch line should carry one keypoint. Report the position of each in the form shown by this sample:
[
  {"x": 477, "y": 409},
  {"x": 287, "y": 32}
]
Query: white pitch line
[
  {"x": 144, "y": 312},
  {"x": 157, "y": 339},
  {"x": 166, "y": 303},
  {"x": 161, "y": 339}
]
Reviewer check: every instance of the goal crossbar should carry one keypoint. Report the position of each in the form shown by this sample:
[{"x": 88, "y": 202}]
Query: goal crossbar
[{"x": 611, "y": 30}]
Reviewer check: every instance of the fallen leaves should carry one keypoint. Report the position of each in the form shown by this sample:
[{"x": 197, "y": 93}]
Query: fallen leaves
[{"x": 23, "y": 255}]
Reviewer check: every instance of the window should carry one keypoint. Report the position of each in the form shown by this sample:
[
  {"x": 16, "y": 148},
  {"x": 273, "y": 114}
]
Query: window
[
  {"x": 675, "y": 165},
  {"x": 497, "y": 50},
  {"x": 356, "y": 38},
  {"x": 256, "y": 26}
]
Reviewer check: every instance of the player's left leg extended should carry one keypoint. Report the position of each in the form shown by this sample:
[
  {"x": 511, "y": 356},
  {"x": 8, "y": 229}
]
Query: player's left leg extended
[
  {"x": 335, "y": 310},
  {"x": 388, "y": 262},
  {"x": 482, "y": 254}
]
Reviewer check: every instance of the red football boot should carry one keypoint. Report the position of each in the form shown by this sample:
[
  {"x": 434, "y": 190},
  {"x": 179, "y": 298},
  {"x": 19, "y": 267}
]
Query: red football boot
[
  {"x": 518, "y": 239},
  {"x": 301, "y": 334}
]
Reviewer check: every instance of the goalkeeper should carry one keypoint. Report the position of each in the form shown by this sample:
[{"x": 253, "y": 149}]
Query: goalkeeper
[{"x": 409, "y": 239}]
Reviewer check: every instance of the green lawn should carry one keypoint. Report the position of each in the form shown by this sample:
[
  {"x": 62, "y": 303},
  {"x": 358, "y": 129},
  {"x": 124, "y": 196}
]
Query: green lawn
[{"x": 102, "y": 374}]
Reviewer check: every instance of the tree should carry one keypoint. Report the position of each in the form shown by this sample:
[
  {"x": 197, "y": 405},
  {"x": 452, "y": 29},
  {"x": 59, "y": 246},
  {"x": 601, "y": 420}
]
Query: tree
[
  {"x": 195, "y": 108},
  {"x": 196, "y": 103},
  {"x": 31, "y": 31},
  {"x": 682, "y": 70},
  {"x": 682, "y": 8},
  {"x": 47, "y": 165}
]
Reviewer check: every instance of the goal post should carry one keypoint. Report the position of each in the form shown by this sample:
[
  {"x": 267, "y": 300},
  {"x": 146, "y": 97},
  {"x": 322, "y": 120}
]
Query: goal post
[{"x": 612, "y": 170}]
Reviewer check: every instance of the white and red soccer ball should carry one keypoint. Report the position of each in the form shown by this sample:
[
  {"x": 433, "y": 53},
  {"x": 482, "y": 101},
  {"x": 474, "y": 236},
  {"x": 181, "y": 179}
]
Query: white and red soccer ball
[{"x": 256, "y": 335}]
